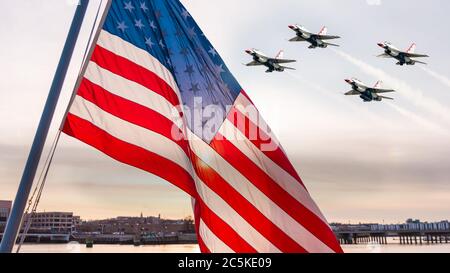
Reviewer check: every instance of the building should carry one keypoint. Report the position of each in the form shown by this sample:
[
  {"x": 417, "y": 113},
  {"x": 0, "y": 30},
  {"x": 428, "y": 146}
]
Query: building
[
  {"x": 137, "y": 225},
  {"x": 54, "y": 222},
  {"x": 5, "y": 210}
]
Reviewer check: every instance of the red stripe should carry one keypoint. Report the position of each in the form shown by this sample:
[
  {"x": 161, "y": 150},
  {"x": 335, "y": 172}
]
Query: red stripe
[
  {"x": 197, "y": 213},
  {"x": 128, "y": 153},
  {"x": 244, "y": 208},
  {"x": 259, "y": 138},
  {"x": 132, "y": 112},
  {"x": 273, "y": 191},
  {"x": 247, "y": 96},
  {"x": 223, "y": 231},
  {"x": 133, "y": 72}
]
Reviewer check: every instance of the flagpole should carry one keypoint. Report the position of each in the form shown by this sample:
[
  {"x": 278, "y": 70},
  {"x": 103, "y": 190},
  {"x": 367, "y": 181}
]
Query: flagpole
[{"x": 15, "y": 218}]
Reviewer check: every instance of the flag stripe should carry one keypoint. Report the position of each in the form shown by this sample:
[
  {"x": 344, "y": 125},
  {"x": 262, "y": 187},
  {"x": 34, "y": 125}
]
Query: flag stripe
[
  {"x": 274, "y": 174},
  {"x": 254, "y": 195},
  {"x": 222, "y": 230},
  {"x": 130, "y": 133},
  {"x": 132, "y": 113},
  {"x": 132, "y": 91},
  {"x": 133, "y": 72},
  {"x": 291, "y": 211},
  {"x": 257, "y": 225},
  {"x": 128, "y": 153},
  {"x": 138, "y": 56},
  {"x": 211, "y": 241},
  {"x": 244, "y": 105},
  {"x": 263, "y": 142}
]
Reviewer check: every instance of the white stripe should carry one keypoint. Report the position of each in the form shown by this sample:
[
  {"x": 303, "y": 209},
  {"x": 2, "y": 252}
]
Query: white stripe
[
  {"x": 264, "y": 204},
  {"x": 278, "y": 174},
  {"x": 138, "y": 56},
  {"x": 130, "y": 133},
  {"x": 132, "y": 91},
  {"x": 246, "y": 107},
  {"x": 214, "y": 244},
  {"x": 233, "y": 219}
]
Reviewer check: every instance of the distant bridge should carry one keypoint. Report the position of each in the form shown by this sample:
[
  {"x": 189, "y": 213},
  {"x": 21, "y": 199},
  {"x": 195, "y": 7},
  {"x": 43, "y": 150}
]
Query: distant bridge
[{"x": 406, "y": 237}]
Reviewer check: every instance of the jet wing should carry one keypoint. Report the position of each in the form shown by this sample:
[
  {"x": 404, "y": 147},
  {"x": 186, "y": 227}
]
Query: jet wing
[
  {"x": 379, "y": 91},
  {"x": 327, "y": 37},
  {"x": 414, "y": 55},
  {"x": 254, "y": 63},
  {"x": 282, "y": 61},
  {"x": 297, "y": 39},
  {"x": 352, "y": 93},
  {"x": 386, "y": 98}
]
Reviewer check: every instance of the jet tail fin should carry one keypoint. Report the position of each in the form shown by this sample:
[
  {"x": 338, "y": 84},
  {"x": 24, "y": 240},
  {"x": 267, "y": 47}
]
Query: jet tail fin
[
  {"x": 378, "y": 84},
  {"x": 412, "y": 48},
  {"x": 323, "y": 31},
  {"x": 280, "y": 55}
]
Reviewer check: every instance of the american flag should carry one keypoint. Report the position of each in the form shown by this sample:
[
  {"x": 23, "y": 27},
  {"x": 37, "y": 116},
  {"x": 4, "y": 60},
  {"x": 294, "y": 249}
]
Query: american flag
[{"x": 156, "y": 95}]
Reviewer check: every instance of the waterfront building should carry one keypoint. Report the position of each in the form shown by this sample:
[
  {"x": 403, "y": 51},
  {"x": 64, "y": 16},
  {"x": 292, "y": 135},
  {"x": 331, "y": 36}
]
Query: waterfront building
[
  {"x": 54, "y": 222},
  {"x": 5, "y": 210}
]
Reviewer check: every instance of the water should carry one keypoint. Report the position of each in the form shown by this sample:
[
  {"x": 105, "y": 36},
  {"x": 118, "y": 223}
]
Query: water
[{"x": 77, "y": 248}]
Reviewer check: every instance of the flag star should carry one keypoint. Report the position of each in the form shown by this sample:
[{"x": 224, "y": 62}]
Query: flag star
[
  {"x": 169, "y": 62},
  {"x": 129, "y": 6},
  {"x": 185, "y": 14},
  {"x": 122, "y": 26},
  {"x": 192, "y": 32},
  {"x": 219, "y": 69},
  {"x": 189, "y": 70},
  {"x": 153, "y": 26},
  {"x": 224, "y": 87},
  {"x": 139, "y": 24},
  {"x": 194, "y": 87},
  {"x": 148, "y": 41},
  {"x": 144, "y": 7},
  {"x": 210, "y": 87},
  {"x": 161, "y": 43},
  {"x": 184, "y": 51},
  {"x": 179, "y": 32},
  {"x": 213, "y": 52}
]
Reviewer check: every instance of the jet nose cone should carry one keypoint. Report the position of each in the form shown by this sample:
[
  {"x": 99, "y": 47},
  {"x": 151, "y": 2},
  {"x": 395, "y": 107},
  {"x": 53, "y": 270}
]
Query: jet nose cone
[
  {"x": 248, "y": 51},
  {"x": 380, "y": 44},
  {"x": 348, "y": 81},
  {"x": 291, "y": 26}
]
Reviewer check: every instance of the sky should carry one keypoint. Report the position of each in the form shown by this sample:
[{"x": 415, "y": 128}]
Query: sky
[{"x": 362, "y": 162}]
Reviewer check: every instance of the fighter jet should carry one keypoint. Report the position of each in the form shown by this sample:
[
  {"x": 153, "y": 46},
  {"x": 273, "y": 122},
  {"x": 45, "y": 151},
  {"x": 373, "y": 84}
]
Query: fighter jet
[
  {"x": 403, "y": 57},
  {"x": 273, "y": 64},
  {"x": 316, "y": 40},
  {"x": 367, "y": 93}
]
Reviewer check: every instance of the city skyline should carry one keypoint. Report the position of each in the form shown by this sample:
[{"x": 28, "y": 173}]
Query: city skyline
[{"x": 361, "y": 162}]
